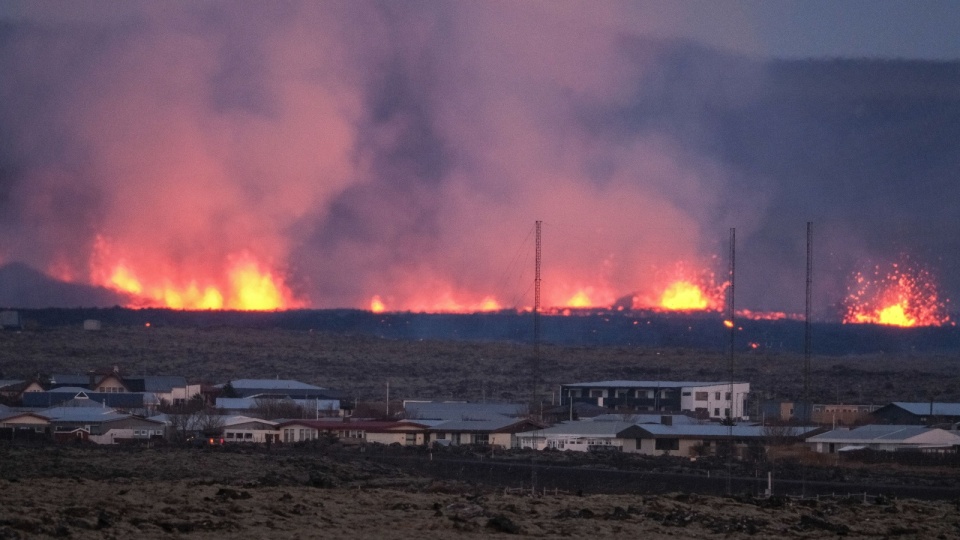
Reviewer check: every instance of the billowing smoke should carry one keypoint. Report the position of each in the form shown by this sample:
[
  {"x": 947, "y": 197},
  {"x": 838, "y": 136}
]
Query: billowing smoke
[{"x": 404, "y": 151}]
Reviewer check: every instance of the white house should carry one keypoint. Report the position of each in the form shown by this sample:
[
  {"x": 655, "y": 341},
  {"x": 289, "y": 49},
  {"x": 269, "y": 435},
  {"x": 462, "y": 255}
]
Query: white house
[
  {"x": 884, "y": 437},
  {"x": 583, "y": 436}
]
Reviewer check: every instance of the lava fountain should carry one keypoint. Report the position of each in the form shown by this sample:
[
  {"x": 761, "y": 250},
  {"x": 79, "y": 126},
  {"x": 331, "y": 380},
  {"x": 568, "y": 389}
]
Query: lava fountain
[{"x": 904, "y": 295}]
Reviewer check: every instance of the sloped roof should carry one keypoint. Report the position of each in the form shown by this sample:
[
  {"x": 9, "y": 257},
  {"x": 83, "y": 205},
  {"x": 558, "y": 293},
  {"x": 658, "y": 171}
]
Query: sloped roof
[
  {"x": 677, "y": 419},
  {"x": 435, "y": 410},
  {"x": 887, "y": 434},
  {"x": 923, "y": 408},
  {"x": 163, "y": 383},
  {"x": 272, "y": 384},
  {"x": 714, "y": 431},
  {"x": 10, "y": 382},
  {"x": 364, "y": 425},
  {"x": 647, "y": 384},
  {"x": 93, "y": 399},
  {"x": 486, "y": 425},
  {"x": 81, "y": 414},
  {"x": 582, "y": 428}
]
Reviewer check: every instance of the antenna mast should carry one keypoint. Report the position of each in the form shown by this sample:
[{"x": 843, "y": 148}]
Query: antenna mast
[
  {"x": 732, "y": 323},
  {"x": 807, "y": 338},
  {"x": 536, "y": 322}
]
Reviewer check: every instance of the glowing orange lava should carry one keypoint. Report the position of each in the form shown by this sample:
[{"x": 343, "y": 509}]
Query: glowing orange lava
[
  {"x": 904, "y": 296},
  {"x": 579, "y": 300},
  {"x": 376, "y": 305},
  {"x": 243, "y": 285},
  {"x": 683, "y": 295},
  {"x": 681, "y": 288},
  {"x": 450, "y": 303}
]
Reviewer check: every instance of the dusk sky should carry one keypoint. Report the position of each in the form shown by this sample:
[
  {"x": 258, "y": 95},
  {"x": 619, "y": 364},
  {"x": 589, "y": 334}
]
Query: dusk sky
[{"x": 395, "y": 155}]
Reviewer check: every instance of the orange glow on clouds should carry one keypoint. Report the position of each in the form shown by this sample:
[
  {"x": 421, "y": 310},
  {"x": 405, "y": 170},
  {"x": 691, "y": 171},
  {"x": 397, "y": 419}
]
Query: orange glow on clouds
[
  {"x": 244, "y": 285},
  {"x": 903, "y": 296}
]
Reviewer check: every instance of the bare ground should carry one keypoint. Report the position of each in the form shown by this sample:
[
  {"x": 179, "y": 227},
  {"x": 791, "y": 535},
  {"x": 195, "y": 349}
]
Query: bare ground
[{"x": 159, "y": 493}]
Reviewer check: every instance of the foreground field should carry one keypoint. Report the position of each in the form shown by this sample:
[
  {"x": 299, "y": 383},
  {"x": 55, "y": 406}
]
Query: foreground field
[
  {"x": 363, "y": 365},
  {"x": 152, "y": 493}
]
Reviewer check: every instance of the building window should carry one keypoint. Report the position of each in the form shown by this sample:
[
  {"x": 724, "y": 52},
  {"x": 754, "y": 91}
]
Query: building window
[
  {"x": 229, "y": 434},
  {"x": 727, "y": 396},
  {"x": 686, "y": 394},
  {"x": 481, "y": 438},
  {"x": 716, "y": 395},
  {"x": 667, "y": 444},
  {"x": 702, "y": 396},
  {"x": 716, "y": 412},
  {"x": 248, "y": 435},
  {"x": 596, "y": 393}
]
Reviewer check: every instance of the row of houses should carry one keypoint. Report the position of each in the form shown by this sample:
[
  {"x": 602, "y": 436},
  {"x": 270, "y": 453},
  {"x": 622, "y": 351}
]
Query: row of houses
[
  {"x": 455, "y": 424},
  {"x": 666, "y": 417}
]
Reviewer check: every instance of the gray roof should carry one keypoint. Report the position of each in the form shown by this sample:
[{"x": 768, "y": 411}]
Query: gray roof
[
  {"x": 163, "y": 383},
  {"x": 922, "y": 409},
  {"x": 9, "y": 382},
  {"x": 492, "y": 424},
  {"x": 70, "y": 390},
  {"x": 872, "y": 432},
  {"x": 582, "y": 428},
  {"x": 272, "y": 384},
  {"x": 433, "y": 410},
  {"x": 81, "y": 414},
  {"x": 645, "y": 418},
  {"x": 718, "y": 430},
  {"x": 646, "y": 384}
]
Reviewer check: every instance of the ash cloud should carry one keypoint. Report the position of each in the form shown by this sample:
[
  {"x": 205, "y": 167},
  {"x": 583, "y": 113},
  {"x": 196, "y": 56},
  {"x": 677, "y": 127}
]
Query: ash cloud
[{"x": 404, "y": 150}]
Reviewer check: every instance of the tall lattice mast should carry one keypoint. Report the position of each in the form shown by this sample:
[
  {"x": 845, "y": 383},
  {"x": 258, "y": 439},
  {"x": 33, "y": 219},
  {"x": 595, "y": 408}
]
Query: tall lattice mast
[{"x": 536, "y": 324}]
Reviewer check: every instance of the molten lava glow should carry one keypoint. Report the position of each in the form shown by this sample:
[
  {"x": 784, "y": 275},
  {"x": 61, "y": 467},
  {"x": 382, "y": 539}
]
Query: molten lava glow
[
  {"x": 254, "y": 289},
  {"x": 681, "y": 288},
  {"x": 683, "y": 295},
  {"x": 376, "y": 305},
  {"x": 453, "y": 303},
  {"x": 244, "y": 285},
  {"x": 579, "y": 300},
  {"x": 904, "y": 296}
]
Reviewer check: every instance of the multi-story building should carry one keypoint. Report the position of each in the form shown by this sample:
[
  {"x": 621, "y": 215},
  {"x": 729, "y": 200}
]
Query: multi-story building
[{"x": 715, "y": 400}]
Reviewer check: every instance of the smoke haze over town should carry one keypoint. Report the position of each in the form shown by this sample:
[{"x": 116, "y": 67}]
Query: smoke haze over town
[{"x": 338, "y": 154}]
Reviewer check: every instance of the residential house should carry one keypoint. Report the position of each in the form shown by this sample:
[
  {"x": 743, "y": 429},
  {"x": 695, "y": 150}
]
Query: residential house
[
  {"x": 690, "y": 439},
  {"x": 921, "y": 413},
  {"x": 884, "y": 437},
  {"x": 497, "y": 432},
  {"x": 708, "y": 399},
  {"x": 583, "y": 436},
  {"x": 403, "y": 432},
  {"x": 126, "y": 401},
  {"x": 259, "y": 405},
  {"x": 127, "y": 429},
  {"x": 15, "y": 425},
  {"x": 253, "y": 394},
  {"x": 461, "y": 410},
  {"x": 249, "y": 430}
]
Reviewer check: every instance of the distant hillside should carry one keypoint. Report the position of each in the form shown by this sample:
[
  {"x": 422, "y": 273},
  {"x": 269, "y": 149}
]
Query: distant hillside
[{"x": 24, "y": 287}]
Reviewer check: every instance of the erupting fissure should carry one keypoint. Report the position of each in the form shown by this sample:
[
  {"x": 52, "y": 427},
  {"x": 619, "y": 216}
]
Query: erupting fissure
[
  {"x": 244, "y": 284},
  {"x": 903, "y": 296}
]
